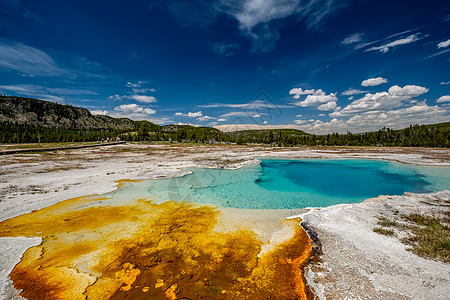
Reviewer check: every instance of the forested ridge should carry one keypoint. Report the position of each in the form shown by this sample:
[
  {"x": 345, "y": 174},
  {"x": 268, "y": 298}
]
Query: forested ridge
[{"x": 27, "y": 120}]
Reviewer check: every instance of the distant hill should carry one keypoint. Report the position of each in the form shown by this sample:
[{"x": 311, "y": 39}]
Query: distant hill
[
  {"x": 176, "y": 127},
  {"x": 49, "y": 114},
  {"x": 267, "y": 136},
  {"x": 262, "y": 133},
  {"x": 441, "y": 126}
]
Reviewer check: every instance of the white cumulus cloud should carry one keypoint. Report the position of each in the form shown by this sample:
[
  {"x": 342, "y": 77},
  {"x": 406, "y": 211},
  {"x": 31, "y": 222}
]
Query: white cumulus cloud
[
  {"x": 143, "y": 98},
  {"x": 317, "y": 98},
  {"x": 134, "y": 109},
  {"x": 408, "y": 90},
  {"x": 99, "y": 112},
  {"x": 297, "y": 92},
  {"x": 394, "y": 98},
  {"x": 195, "y": 114},
  {"x": 420, "y": 113},
  {"x": 443, "y": 99},
  {"x": 374, "y": 81},
  {"x": 205, "y": 118},
  {"x": 327, "y": 106},
  {"x": 198, "y": 114}
]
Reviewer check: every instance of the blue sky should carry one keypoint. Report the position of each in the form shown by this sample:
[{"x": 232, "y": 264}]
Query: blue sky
[{"x": 317, "y": 65}]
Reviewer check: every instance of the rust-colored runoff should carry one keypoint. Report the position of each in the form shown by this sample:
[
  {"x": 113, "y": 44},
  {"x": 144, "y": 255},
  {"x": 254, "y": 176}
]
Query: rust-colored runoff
[{"x": 144, "y": 250}]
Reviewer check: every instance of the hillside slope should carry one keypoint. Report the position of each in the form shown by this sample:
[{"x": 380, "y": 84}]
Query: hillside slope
[{"x": 49, "y": 114}]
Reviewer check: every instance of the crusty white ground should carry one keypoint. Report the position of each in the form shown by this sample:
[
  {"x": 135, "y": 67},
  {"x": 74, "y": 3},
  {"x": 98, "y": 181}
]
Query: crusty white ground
[
  {"x": 11, "y": 250},
  {"x": 357, "y": 263},
  {"x": 32, "y": 181}
]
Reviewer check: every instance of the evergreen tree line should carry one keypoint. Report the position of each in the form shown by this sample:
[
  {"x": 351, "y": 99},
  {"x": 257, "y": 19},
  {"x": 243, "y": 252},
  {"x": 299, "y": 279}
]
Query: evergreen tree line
[
  {"x": 24, "y": 133},
  {"x": 413, "y": 136}
]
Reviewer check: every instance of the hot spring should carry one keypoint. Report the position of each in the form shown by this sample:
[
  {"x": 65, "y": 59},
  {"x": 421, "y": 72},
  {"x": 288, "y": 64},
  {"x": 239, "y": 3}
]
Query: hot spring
[{"x": 292, "y": 184}]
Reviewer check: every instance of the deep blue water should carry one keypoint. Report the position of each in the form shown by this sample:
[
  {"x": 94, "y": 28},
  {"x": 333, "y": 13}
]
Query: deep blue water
[
  {"x": 281, "y": 183},
  {"x": 342, "y": 178}
]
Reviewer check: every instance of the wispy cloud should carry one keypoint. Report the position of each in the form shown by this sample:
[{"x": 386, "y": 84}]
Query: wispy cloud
[
  {"x": 444, "y": 44},
  {"x": 25, "y": 59},
  {"x": 258, "y": 19},
  {"x": 437, "y": 54},
  {"x": 400, "y": 33},
  {"x": 255, "y": 104},
  {"x": 403, "y": 41},
  {"x": 42, "y": 92},
  {"x": 198, "y": 115},
  {"x": 29, "y": 61},
  {"x": 136, "y": 91},
  {"x": 246, "y": 126},
  {"x": 224, "y": 49},
  {"x": 17, "y": 8},
  {"x": 351, "y": 92},
  {"x": 355, "y": 38},
  {"x": 190, "y": 114},
  {"x": 205, "y": 118},
  {"x": 66, "y": 91},
  {"x": 235, "y": 114},
  {"x": 385, "y": 44},
  {"x": 134, "y": 85},
  {"x": 189, "y": 124}
]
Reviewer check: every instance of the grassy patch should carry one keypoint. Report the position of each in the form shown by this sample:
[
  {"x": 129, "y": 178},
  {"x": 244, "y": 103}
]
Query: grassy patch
[
  {"x": 431, "y": 238},
  {"x": 428, "y": 237},
  {"x": 388, "y": 232},
  {"x": 385, "y": 222}
]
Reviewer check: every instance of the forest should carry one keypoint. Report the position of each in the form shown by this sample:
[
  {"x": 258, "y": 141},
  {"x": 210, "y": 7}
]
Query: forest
[{"x": 437, "y": 135}]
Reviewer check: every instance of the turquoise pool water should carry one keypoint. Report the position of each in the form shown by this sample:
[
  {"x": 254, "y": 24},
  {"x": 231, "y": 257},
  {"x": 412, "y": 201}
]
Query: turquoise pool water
[{"x": 281, "y": 183}]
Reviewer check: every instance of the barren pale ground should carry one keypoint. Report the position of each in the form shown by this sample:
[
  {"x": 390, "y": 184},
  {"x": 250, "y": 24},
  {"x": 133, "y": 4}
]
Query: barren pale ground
[{"x": 354, "y": 261}]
